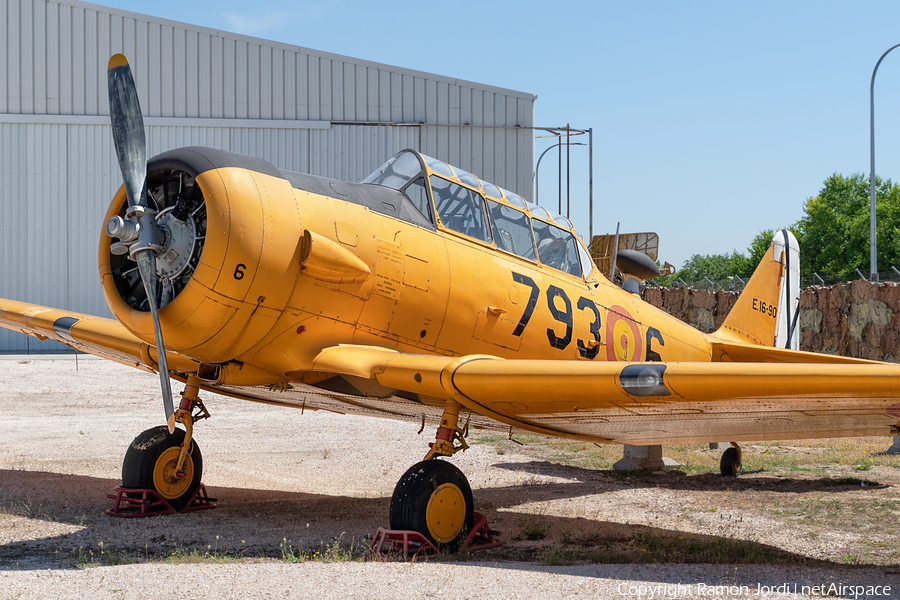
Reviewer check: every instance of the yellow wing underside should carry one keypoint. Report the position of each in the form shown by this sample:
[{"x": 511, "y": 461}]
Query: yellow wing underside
[{"x": 800, "y": 395}]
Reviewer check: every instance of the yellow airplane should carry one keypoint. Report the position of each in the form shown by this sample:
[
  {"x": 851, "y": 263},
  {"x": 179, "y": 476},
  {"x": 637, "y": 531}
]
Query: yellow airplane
[{"x": 425, "y": 294}]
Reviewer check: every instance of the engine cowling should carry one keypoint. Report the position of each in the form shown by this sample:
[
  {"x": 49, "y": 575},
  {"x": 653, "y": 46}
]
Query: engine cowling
[{"x": 230, "y": 259}]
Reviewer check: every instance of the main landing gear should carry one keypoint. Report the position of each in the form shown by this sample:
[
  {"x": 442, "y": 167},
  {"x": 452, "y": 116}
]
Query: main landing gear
[
  {"x": 169, "y": 464},
  {"x": 433, "y": 497},
  {"x": 730, "y": 465}
]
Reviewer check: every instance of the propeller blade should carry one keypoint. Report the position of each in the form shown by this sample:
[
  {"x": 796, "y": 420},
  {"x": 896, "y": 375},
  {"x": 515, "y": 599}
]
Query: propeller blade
[
  {"x": 128, "y": 129},
  {"x": 146, "y": 262},
  {"x": 131, "y": 148}
]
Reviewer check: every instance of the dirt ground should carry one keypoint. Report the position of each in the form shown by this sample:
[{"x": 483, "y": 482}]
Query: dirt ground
[{"x": 289, "y": 485}]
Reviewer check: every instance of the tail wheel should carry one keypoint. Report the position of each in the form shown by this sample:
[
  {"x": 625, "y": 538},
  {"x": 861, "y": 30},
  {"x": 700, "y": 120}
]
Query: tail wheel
[
  {"x": 150, "y": 464},
  {"x": 729, "y": 466},
  {"x": 434, "y": 498}
]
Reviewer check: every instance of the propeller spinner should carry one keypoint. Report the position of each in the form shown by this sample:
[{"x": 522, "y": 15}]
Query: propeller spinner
[{"x": 139, "y": 228}]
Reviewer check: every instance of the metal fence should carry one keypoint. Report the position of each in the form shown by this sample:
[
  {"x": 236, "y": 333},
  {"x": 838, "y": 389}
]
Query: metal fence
[{"x": 736, "y": 284}]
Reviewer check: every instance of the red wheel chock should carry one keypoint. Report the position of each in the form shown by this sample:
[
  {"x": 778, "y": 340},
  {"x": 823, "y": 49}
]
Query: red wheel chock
[
  {"x": 409, "y": 541},
  {"x": 481, "y": 537},
  {"x": 134, "y": 503}
]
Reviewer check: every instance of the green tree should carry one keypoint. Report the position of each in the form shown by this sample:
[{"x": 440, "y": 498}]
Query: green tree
[
  {"x": 719, "y": 267},
  {"x": 834, "y": 231},
  {"x": 716, "y": 267}
]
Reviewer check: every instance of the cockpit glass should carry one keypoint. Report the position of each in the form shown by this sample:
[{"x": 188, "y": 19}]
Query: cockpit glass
[
  {"x": 561, "y": 220},
  {"x": 438, "y": 166},
  {"x": 467, "y": 178},
  {"x": 417, "y": 194},
  {"x": 491, "y": 190},
  {"x": 587, "y": 265},
  {"x": 539, "y": 211},
  {"x": 512, "y": 231},
  {"x": 557, "y": 248},
  {"x": 396, "y": 172},
  {"x": 514, "y": 199},
  {"x": 460, "y": 209}
]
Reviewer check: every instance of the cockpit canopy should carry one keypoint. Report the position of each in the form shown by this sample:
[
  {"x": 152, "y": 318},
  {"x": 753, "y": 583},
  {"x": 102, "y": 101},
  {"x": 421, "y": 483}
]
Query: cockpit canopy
[{"x": 458, "y": 201}]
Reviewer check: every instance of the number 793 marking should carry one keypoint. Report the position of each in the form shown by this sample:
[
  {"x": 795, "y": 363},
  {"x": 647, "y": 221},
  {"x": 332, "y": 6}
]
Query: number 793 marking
[{"x": 563, "y": 316}]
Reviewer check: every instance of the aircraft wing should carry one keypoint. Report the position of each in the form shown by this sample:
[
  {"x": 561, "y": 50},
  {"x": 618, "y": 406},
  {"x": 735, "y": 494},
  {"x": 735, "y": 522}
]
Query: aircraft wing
[
  {"x": 796, "y": 395},
  {"x": 106, "y": 338},
  {"x": 648, "y": 403}
]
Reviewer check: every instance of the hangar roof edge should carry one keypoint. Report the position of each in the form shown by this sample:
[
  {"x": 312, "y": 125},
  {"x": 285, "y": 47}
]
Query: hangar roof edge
[{"x": 272, "y": 43}]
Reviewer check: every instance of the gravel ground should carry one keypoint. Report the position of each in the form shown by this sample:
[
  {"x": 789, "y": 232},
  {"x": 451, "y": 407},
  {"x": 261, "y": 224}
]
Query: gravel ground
[{"x": 304, "y": 481}]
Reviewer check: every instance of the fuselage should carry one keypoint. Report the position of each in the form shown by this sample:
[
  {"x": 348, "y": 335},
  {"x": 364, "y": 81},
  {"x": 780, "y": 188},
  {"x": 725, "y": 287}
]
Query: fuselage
[
  {"x": 445, "y": 293},
  {"x": 292, "y": 264}
]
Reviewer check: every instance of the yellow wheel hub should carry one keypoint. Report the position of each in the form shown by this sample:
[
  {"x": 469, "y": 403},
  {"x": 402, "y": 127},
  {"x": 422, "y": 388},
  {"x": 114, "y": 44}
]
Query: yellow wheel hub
[
  {"x": 446, "y": 513},
  {"x": 165, "y": 480}
]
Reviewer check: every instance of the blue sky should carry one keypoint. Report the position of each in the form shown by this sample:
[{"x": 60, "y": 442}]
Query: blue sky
[{"x": 712, "y": 120}]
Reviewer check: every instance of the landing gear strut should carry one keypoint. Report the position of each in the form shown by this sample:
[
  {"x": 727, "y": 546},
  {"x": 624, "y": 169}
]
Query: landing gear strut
[
  {"x": 433, "y": 497},
  {"x": 170, "y": 464},
  {"x": 730, "y": 465}
]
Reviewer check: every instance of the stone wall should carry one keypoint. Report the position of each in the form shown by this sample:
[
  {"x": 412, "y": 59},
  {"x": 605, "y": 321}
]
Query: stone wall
[
  {"x": 859, "y": 319},
  {"x": 703, "y": 309}
]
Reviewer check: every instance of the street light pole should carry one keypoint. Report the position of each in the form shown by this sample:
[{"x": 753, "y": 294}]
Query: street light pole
[
  {"x": 873, "y": 242},
  {"x": 537, "y": 168}
]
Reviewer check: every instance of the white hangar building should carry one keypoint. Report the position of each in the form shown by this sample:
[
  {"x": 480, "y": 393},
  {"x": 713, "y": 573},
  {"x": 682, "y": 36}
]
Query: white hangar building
[{"x": 300, "y": 109}]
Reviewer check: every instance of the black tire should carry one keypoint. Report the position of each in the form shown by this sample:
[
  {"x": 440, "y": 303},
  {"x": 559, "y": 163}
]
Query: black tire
[
  {"x": 434, "y": 498},
  {"x": 728, "y": 465},
  {"x": 151, "y": 455}
]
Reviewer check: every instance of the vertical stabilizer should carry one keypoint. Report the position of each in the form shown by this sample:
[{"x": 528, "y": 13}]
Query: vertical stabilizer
[{"x": 767, "y": 312}]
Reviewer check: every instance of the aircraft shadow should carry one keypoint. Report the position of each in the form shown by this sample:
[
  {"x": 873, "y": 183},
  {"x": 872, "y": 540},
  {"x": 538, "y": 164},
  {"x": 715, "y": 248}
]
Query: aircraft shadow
[
  {"x": 256, "y": 523},
  {"x": 678, "y": 480},
  {"x": 246, "y": 522}
]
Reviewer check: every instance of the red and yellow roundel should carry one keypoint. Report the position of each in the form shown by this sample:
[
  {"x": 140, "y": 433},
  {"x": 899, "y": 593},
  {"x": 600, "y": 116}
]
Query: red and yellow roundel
[{"x": 623, "y": 338}]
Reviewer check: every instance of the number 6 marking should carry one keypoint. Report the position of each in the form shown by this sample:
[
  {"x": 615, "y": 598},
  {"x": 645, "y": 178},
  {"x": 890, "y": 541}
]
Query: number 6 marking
[{"x": 239, "y": 271}]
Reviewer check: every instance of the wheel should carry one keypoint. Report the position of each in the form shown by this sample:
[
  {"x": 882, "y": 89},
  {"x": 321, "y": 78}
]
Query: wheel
[
  {"x": 150, "y": 464},
  {"x": 728, "y": 466},
  {"x": 434, "y": 498}
]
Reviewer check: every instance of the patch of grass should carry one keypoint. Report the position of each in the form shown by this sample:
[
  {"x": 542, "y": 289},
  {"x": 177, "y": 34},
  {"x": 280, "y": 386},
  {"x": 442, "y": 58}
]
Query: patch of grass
[
  {"x": 865, "y": 516},
  {"x": 535, "y": 530},
  {"x": 336, "y": 551},
  {"x": 197, "y": 556},
  {"x": 84, "y": 559},
  {"x": 558, "y": 557},
  {"x": 27, "y": 508},
  {"x": 104, "y": 556},
  {"x": 211, "y": 554}
]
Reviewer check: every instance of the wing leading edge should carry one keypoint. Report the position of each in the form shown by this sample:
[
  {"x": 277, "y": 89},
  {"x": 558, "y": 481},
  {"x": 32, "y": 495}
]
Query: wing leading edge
[{"x": 102, "y": 337}]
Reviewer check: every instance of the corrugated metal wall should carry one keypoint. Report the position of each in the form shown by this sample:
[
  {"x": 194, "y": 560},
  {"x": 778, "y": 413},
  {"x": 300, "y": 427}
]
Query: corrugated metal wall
[{"x": 299, "y": 109}]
